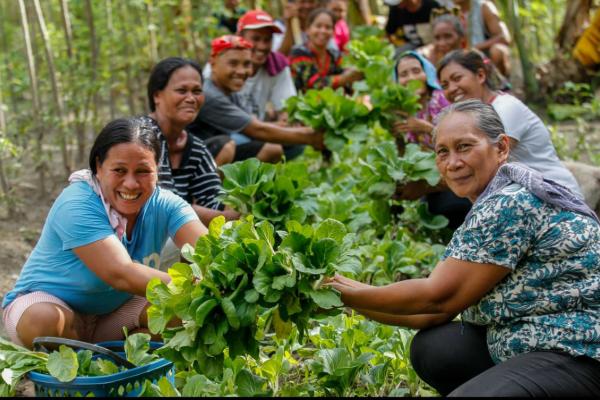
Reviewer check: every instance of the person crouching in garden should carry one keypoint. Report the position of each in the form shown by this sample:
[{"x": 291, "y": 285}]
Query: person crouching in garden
[
  {"x": 523, "y": 271},
  {"x": 223, "y": 112},
  {"x": 86, "y": 277},
  {"x": 186, "y": 166},
  {"x": 270, "y": 82}
]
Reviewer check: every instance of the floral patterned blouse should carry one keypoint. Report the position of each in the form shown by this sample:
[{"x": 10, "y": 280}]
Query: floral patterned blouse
[
  {"x": 551, "y": 299},
  {"x": 309, "y": 73},
  {"x": 434, "y": 107}
]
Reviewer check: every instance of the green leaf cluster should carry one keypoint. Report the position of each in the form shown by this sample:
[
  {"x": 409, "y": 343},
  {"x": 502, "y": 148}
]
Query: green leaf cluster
[
  {"x": 237, "y": 270},
  {"x": 374, "y": 57},
  {"x": 341, "y": 118},
  {"x": 383, "y": 169},
  {"x": 392, "y": 100},
  {"x": 266, "y": 191}
]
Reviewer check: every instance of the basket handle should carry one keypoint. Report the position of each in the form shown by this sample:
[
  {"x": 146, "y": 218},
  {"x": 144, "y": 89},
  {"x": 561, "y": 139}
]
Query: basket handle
[{"x": 40, "y": 342}]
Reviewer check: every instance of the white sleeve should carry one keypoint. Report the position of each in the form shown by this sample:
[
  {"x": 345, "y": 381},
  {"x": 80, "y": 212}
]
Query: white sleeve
[
  {"x": 283, "y": 89},
  {"x": 514, "y": 115}
]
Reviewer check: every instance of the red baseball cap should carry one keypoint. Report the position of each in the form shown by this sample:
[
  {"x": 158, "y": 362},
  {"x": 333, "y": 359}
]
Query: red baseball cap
[
  {"x": 257, "y": 19},
  {"x": 227, "y": 42}
]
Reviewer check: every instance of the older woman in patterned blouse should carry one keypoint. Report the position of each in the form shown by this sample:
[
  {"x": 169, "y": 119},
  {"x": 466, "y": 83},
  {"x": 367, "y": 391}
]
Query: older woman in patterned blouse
[{"x": 523, "y": 269}]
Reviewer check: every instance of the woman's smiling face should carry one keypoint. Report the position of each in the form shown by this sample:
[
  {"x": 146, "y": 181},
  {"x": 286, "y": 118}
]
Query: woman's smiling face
[
  {"x": 465, "y": 156},
  {"x": 459, "y": 83},
  {"x": 127, "y": 178}
]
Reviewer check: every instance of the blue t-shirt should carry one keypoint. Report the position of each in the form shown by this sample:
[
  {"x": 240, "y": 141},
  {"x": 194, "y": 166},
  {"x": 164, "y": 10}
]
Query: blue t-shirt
[{"x": 78, "y": 218}]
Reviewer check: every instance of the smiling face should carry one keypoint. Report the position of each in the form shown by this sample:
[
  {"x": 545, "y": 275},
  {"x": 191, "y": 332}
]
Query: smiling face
[
  {"x": 339, "y": 9},
  {"x": 410, "y": 69},
  {"x": 445, "y": 38},
  {"x": 460, "y": 83},
  {"x": 320, "y": 31},
  {"x": 127, "y": 178},
  {"x": 261, "y": 40},
  {"x": 465, "y": 157},
  {"x": 181, "y": 100},
  {"x": 231, "y": 68}
]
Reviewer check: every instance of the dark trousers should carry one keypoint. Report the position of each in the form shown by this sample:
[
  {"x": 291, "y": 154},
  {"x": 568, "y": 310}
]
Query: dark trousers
[{"x": 454, "y": 359}]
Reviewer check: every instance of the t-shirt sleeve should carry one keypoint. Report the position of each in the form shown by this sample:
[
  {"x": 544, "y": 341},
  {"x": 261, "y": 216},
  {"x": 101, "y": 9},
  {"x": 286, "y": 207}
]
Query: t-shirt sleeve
[
  {"x": 221, "y": 113},
  {"x": 81, "y": 221},
  {"x": 283, "y": 89},
  {"x": 178, "y": 212},
  {"x": 500, "y": 231},
  {"x": 512, "y": 113}
]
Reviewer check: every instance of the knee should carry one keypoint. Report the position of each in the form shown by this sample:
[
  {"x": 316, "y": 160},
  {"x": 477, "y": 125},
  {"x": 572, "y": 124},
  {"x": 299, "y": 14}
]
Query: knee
[
  {"x": 271, "y": 152},
  {"x": 226, "y": 154},
  {"x": 45, "y": 319}
]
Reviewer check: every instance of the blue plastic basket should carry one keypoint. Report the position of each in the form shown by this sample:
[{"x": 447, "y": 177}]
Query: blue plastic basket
[{"x": 128, "y": 383}]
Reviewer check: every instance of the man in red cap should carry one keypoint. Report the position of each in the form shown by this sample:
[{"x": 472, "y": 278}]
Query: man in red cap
[{"x": 224, "y": 112}]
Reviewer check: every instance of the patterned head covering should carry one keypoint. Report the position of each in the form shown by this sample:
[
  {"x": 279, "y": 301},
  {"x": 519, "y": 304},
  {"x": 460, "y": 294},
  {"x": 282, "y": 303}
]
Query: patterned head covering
[
  {"x": 428, "y": 67},
  {"x": 227, "y": 42}
]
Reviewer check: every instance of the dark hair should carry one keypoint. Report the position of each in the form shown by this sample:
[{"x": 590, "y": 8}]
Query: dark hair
[
  {"x": 124, "y": 130},
  {"x": 473, "y": 60},
  {"x": 161, "y": 73},
  {"x": 315, "y": 13},
  {"x": 486, "y": 118},
  {"x": 452, "y": 20}
]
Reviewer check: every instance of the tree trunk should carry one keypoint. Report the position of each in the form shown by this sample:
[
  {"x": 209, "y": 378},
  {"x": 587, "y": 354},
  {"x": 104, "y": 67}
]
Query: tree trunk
[
  {"x": 9, "y": 71},
  {"x": 4, "y": 182},
  {"x": 129, "y": 82},
  {"x": 66, "y": 24},
  {"x": 563, "y": 67},
  {"x": 576, "y": 18},
  {"x": 81, "y": 136},
  {"x": 529, "y": 78},
  {"x": 36, "y": 109},
  {"x": 112, "y": 95},
  {"x": 152, "y": 29},
  {"x": 54, "y": 84}
]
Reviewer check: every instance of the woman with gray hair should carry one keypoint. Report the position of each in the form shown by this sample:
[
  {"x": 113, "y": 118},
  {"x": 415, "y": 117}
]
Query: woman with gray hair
[{"x": 523, "y": 271}]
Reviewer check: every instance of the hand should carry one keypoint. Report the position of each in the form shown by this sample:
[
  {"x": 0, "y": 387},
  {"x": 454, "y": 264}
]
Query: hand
[
  {"x": 412, "y": 190},
  {"x": 412, "y": 124},
  {"x": 231, "y": 215},
  {"x": 343, "y": 284},
  {"x": 290, "y": 11},
  {"x": 282, "y": 118},
  {"x": 317, "y": 140},
  {"x": 351, "y": 75}
]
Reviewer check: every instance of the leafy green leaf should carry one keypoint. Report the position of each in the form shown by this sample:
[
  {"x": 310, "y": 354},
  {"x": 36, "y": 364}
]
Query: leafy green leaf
[{"x": 63, "y": 364}]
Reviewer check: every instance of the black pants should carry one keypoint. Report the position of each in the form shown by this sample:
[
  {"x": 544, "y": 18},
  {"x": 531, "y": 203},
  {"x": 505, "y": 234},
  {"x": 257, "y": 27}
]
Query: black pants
[{"x": 454, "y": 359}]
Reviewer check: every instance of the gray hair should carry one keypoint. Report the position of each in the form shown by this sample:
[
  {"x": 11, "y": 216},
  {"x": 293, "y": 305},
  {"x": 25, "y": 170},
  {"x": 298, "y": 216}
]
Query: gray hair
[
  {"x": 452, "y": 20},
  {"x": 486, "y": 118}
]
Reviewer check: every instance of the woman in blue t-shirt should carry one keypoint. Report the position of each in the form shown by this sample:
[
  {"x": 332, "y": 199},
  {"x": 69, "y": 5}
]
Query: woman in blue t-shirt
[
  {"x": 86, "y": 277},
  {"x": 523, "y": 271}
]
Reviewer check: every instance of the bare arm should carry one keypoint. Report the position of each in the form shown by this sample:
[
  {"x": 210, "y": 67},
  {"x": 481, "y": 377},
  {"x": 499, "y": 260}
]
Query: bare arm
[
  {"x": 290, "y": 11},
  {"x": 109, "y": 260},
  {"x": 495, "y": 26},
  {"x": 419, "y": 321},
  {"x": 365, "y": 11},
  {"x": 453, "y": 286},
  {"x": 189, "y": 233},
  {"x": 207, "y": 214},
  {"x": 270, "y": 132}
]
